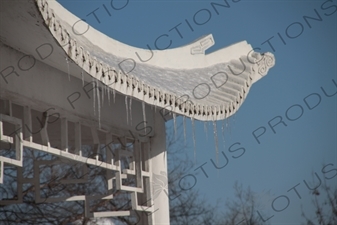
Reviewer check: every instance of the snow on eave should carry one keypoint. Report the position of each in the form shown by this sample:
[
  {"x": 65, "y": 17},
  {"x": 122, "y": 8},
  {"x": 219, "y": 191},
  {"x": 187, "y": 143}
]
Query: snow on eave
[{"x": 172, "y": 74}]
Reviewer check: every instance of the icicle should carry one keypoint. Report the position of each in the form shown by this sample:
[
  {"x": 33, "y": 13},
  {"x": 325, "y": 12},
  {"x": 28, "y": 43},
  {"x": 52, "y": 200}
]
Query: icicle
[
  {"x": 229, "y": 125},
  {"x": 175, "y": 125},
  {"x": 82, "y": 78},
  {"x": 184, "y": 124},
  {"x": 144, "y": 115},
  {"x": 223, "y": 130},
  {"x": 94, "y": 94},
  {"x": 103, "y": 93},
  {"x": 67, "y": 60},
  {"x": 127, "y": 109},
  {"x": 206, "y": 129},
  {"x": 130, "y": 104},
  {"x": 215, "y": 130},
  {"x": 106, "y": 88},
  {"x": 82, "y": 75},
  {"x": 193, "y": 136},
  {"x": 98, "y": 105},
  {"x": 154, "y": 103},
  {"x": 114, "y": 94},
  {"x": 109, "y": 95},
  {"x": 234, "y": 117}
]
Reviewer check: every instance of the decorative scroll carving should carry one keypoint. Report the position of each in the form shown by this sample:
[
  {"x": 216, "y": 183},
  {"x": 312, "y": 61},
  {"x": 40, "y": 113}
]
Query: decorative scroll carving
[{"x": 267, "y": 62}]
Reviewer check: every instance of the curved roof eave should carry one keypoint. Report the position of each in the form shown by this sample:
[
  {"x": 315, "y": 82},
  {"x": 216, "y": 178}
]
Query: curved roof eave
[{"x": 183, "y": 80}]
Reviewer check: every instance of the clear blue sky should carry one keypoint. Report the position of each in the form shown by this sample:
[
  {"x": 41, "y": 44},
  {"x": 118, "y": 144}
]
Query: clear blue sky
[{"x": 307, "y": 62}]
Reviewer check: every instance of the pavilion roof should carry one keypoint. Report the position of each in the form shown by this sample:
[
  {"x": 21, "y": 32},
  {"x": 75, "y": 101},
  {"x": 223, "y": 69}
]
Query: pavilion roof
[{"x": 183, "y": 80}]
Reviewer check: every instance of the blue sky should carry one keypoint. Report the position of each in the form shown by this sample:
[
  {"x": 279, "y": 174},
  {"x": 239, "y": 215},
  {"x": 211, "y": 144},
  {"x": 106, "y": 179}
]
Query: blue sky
[{"x": 306, "y": 60}]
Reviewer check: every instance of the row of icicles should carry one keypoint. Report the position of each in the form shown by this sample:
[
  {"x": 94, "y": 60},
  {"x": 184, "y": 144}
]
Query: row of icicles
[{"x": 97, "y": 86}]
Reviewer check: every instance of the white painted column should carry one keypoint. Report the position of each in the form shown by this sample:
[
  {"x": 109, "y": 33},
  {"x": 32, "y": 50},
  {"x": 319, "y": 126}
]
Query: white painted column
[{"x": 159, "y": 182}]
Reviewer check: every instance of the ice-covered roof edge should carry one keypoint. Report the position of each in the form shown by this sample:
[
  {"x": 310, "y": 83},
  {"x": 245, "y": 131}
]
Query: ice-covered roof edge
[{"x": 131, "y": 86}]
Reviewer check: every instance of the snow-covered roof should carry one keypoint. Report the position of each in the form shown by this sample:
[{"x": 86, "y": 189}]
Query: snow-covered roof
[{"x": 183, "y": 80}]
